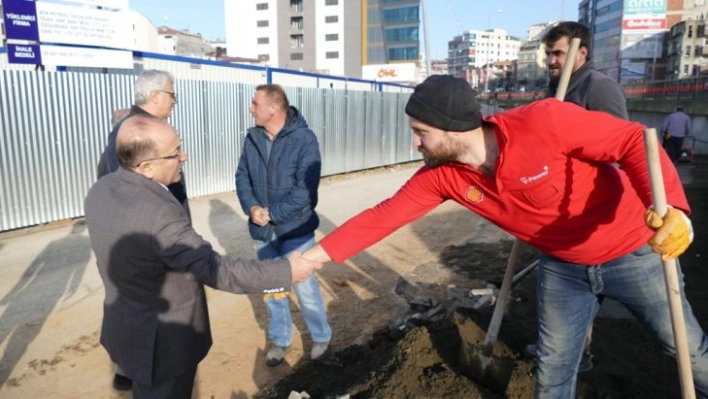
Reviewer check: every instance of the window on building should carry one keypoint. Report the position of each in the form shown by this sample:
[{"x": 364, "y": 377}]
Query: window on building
[
  {"x": 296, "y": 23},
  {"x": 696, "y": 70},
  {"x": 296, "y": 5},
  {"x": 262, "y": 24},
  {"x": 296, "y": 56},
  {"x": 262, "y": 6},
  {"x": 332, "y": 37},
  {"x": 332, "y": 55},
  {"x": 700, "y": 31},
  {"x": 331, "y": 2},
  {"x": 403, "y": 53},
  {"x": 401, "y": 14},
  {"x": 297, "y": 41},
  {"x": 698, "y": 52},
  {"x": 690, "y": 31},
  {"x": 331, "y": 19},
  {"x": 685, "y": 69},
  {"x": 402, "y": 34},
  {"x": 263, "y": 40},
  {"x": 264, "y": 57},
  {"x": 688, "y": 51}
]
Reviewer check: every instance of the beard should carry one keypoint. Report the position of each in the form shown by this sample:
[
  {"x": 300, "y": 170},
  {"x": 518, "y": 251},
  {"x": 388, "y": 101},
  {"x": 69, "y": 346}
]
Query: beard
[{"x": 444, "y": 153}]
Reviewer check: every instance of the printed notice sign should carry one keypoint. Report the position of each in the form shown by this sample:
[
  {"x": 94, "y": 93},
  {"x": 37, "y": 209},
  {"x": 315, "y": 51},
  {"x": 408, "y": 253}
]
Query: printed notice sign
[
  {"x": 66, "y": 24},
  {"x": 69, "y": 56},
  {"x": 24, "y": 54},
  {"x": 20, "y": 19}
]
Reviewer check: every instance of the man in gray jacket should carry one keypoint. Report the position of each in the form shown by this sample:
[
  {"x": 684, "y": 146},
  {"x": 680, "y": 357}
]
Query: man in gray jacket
[
  {"x": 154, "y": 265},
  {"x": 588, "y": 88}
]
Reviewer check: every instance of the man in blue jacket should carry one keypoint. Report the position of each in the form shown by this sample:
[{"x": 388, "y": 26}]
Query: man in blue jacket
[{"x": 276, "y": 183}]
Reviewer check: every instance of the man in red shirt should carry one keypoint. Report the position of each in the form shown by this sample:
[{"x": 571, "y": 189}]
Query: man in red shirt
[{"x": 560, "y": 193}]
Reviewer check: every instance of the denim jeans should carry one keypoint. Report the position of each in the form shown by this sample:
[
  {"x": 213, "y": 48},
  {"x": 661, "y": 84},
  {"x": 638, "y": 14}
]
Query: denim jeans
[
  {"x": 308, "y": 295},
  {"x": 567, "y": 301}
]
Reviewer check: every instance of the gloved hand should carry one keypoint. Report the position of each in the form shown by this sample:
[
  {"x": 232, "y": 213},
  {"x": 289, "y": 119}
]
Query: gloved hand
[
  {"x": 673, "y": 234},
  {"x": 276, "y": 295}
]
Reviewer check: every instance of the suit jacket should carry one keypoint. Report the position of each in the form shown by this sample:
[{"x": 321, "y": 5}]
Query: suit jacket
[{"x": 153, "y": 266}]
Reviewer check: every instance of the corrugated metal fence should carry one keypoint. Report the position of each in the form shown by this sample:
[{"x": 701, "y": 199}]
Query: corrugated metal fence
[{"x": 53, "y": 128}]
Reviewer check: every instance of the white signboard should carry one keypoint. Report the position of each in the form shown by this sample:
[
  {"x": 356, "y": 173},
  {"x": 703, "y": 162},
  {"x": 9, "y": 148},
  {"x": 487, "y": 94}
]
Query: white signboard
[
  {"x": 86, "y": 26},
  {"x": 85, "y": 57},
  {"x": 405, "y": 72}
]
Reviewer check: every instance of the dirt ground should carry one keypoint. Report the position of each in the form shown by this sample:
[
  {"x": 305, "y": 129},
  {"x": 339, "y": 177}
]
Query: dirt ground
[
  {"x": 426, "y": 361},
  {"x": 51, "y": 308}
]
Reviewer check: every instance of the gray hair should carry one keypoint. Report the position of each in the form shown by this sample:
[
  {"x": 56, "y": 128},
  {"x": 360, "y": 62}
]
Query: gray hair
[{"x": 148, "y": 81}]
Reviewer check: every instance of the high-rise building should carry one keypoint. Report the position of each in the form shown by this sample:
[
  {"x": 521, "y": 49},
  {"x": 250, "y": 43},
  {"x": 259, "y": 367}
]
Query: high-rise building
[
  {"x": 476, "y": 49},
  {"x": 326, "y": 36},
  {"x": 628, "y": 38}
]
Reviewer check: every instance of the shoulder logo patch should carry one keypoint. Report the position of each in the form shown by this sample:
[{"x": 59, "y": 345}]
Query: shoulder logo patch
[{"x": 474, "y": 194}]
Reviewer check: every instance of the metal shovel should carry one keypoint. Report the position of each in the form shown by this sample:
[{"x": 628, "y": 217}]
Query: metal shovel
[{"x": 479, "y": 364}]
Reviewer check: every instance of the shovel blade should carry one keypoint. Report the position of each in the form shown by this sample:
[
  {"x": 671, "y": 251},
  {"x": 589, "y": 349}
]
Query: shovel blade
[{"x": 481, "y": 366}]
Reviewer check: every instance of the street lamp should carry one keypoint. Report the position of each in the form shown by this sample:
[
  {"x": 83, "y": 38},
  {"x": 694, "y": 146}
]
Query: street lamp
[{"x": 489, "y": 42}]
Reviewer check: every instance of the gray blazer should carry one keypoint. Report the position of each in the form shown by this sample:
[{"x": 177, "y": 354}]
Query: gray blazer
[{"x": 154, "y": 267}]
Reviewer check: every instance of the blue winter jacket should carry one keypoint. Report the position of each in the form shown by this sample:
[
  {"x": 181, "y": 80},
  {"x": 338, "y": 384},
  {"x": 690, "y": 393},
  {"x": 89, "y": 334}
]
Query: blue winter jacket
[{"x": 286, "y": 181}]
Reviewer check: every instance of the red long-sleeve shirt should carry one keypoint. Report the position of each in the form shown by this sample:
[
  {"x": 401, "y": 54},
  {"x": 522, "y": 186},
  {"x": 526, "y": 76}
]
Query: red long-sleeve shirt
[{"x": 555, "y": 187}]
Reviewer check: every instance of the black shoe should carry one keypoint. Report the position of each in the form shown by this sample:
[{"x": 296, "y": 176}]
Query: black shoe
[{"x": 122, "y": 383}]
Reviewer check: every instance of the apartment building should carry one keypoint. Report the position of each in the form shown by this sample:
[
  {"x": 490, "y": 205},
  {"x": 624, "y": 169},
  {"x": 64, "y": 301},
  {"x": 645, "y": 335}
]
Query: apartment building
[
  {"x": 337, "y": 37},
  {"x": 687, "y": 50},
  {"x": 476, "y": 49}
]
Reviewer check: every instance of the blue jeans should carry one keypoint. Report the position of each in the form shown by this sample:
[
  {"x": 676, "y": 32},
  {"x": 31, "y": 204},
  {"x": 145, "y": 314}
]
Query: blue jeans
[
  {"x": 308, "y": 294},
  {"x": 567, "y": 301}
]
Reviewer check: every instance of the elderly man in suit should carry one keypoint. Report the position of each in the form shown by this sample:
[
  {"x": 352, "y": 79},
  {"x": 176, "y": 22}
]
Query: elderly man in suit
[{"x": 154, "y": 265}]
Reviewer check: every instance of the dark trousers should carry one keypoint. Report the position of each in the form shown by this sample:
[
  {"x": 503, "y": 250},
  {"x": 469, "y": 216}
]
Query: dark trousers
[
  {"x": 673, "y": 145},
  {"x": 179, "y": 387}
]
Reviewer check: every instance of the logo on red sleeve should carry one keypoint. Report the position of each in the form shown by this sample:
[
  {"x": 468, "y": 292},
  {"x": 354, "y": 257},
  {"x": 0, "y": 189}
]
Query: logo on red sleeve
[{"x": 474, "y": 194}]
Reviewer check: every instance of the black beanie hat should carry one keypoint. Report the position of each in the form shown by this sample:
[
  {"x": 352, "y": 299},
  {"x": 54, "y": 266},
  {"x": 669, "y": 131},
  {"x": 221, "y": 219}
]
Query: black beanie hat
[{"x": 445, "y": 102}]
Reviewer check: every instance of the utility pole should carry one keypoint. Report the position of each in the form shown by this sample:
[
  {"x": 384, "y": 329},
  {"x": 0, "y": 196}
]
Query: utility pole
[
  {"x": 424, "y": 5},
  {"x": 489, "y": 45}
]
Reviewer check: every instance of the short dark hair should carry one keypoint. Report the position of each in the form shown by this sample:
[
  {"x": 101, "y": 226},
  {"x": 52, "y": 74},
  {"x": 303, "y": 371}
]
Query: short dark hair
[
  {"x": 679, "y": 109},
  {"x": 134, "y": 141},
  {"x": 276, "y": 94},
  {"x": 570, "y": 30}
]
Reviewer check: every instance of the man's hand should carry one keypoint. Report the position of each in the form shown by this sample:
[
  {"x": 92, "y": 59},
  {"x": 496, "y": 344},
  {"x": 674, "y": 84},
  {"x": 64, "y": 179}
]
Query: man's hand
[
  {"x": 259, "y": 215},
  {"x": 302, "y": 268},
  {"x": 673, "y": 234}
]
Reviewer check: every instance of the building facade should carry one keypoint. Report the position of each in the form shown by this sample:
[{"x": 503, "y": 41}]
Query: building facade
[
  {"x": 325, "y": 36},
  {"x": 632, "y": 42},
  {"x": 687, "y": 49},
  {"x": 472, "y": 53}
]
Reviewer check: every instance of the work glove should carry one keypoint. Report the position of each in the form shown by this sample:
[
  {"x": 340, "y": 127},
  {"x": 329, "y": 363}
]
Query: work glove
[
  {"x": 276, "y": 296},
  {"x": 673, "y": 234}
]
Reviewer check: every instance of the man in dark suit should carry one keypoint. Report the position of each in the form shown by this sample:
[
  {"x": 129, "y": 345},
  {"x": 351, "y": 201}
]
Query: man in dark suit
[
  {"x": 154, "y": 96},
  {"x": 154, "y": 265}
]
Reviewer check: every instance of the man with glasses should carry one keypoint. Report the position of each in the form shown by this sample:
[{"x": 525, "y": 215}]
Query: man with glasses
[
  {"x": 154, "y": 265},
  {"x": 154, "y": 96}
]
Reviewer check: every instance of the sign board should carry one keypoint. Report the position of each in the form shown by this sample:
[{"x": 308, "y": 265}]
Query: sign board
[
  {"x": 644, "y": 7},
  {"x": 642, "y": 45},
  {"x": 66, "y": 24},
  {"x": 40, "y": 54},
  {"x": 643, "y": 29},
  {"x": 404, "y": 72}
]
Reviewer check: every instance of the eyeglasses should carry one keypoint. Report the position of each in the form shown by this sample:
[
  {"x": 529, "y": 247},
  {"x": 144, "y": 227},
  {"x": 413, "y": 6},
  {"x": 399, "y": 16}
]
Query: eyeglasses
[
  {"x": 173, "y": 156},
  {"x": 173, "y": 95}
]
